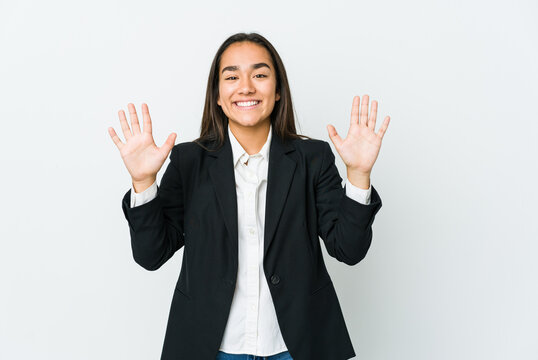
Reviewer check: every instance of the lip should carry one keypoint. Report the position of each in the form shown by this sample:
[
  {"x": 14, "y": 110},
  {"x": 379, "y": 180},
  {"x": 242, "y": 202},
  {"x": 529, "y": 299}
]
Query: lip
[{"x": 247, "y": 107}]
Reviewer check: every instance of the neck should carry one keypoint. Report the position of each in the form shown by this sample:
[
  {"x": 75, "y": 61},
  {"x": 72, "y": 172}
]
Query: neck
[{"x": 251, "y": 138}]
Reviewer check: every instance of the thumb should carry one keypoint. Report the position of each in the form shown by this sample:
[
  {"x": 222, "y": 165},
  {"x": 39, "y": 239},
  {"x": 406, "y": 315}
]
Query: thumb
[
  {"x": 333, "y": 135},
  {"x": 169, "y": 143}
]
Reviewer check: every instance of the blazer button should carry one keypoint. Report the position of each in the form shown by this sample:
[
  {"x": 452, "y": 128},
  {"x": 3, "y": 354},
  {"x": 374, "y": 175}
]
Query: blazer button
[{"x": 275, "y": 279}]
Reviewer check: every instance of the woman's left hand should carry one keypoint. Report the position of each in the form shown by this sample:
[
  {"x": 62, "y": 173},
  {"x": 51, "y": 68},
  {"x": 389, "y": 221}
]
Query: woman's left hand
[{"x": 360, "y": 148}]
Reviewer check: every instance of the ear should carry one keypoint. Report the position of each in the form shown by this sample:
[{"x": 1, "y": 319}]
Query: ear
[{"x": 277, "y": 97}]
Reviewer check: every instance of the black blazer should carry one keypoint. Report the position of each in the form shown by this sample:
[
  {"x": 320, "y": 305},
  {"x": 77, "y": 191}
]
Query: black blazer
[{"x": 196, "y": 207}]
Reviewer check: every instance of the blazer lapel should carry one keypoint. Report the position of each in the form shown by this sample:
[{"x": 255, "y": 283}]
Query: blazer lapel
[
  {"x": 223, "y": 177},
  {"x": 280, "y": 174},
  {"x": 279, "y": 177}
]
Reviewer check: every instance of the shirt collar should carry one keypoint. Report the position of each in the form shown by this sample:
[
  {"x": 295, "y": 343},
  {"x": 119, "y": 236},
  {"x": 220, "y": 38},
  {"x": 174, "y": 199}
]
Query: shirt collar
[{"x": 239, "y": 152}]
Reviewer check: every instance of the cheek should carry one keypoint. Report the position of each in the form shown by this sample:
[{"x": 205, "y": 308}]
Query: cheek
[
  {"x": 224, "y": 95},
  {"x": 270, "y": 90}
]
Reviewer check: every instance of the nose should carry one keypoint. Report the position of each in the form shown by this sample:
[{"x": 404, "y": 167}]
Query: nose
[{"x": 246, "y": 86}]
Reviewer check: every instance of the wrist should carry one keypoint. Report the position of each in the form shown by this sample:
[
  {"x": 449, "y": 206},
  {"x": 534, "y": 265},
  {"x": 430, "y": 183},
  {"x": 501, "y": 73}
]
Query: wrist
[
  {"x": 141, "y": 185},
  {"x": 359, "y": 179}
]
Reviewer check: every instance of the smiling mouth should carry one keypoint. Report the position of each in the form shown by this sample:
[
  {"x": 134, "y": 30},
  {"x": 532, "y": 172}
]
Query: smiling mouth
[{"x": 247, "y": 105}]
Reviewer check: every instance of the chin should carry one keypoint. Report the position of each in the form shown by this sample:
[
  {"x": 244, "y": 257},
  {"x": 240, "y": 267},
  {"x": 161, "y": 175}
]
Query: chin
[{"x": 247, "y": 122}]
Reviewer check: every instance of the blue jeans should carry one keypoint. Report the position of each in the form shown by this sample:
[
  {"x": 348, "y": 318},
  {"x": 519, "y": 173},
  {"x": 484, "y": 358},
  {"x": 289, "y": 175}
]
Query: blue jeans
[{"x": 281, "y": 356}]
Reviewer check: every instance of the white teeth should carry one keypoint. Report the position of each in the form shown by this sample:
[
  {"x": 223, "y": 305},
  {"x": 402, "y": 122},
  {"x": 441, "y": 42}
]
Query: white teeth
[{"x": 247, "y": 103}]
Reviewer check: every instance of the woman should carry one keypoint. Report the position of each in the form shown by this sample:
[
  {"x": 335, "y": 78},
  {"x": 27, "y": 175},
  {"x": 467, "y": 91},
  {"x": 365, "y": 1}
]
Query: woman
[{"x": 248, "y": 200}]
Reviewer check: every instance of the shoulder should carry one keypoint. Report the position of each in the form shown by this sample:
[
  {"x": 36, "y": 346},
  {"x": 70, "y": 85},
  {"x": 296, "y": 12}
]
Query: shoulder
[
  {"x": 316, "y": 154},
  {"x": 311, "y": 147},
  {"x": 188, "y": 148},
  {"x": 186, "y": 154}
]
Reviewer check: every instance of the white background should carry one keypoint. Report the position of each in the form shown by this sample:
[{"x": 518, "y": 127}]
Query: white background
[{"x": 452, "y": 270}]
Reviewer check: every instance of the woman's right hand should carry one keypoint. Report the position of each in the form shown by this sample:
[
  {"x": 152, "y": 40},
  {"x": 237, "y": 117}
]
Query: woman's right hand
[{"x": 141, "y": 156}]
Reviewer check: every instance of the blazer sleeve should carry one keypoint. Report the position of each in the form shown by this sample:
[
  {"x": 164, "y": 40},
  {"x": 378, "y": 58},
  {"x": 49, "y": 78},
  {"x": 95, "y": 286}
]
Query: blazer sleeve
[
  {"x": 156, "y": 227},
  {"x": 344, "y": 224}
]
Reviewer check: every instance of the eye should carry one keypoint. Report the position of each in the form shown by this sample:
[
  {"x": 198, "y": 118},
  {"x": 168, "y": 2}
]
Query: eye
[
  {"x": 228, "y": 78},
  {"x": 261, "y": 75}
]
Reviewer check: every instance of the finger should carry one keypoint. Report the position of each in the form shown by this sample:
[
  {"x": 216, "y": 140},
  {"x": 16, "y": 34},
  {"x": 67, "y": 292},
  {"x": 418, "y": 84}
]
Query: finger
[
  {"x": 364, "y": 111},
  {"x": 147, "y": 118},
  {"x": 125, "y": 126},
  {"x": 115, "y": 138},
  {"x": 373, "y": 115},
  {"x": 384, "y": 127},
  {"x": 169, "y": 144},
  {"x": 355, "y": 111},
  {"x": 134, "y": 119},
  {"x": 335, "y": 138}
]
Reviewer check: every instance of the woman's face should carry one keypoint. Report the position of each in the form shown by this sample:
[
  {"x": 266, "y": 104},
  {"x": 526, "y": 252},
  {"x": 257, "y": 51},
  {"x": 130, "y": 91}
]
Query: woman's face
[{"x": 247, "y": 74}]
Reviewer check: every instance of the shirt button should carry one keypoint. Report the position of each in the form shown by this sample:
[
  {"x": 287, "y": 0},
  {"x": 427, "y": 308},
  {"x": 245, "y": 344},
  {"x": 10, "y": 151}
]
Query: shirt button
[{"x": 251, "y": 231}]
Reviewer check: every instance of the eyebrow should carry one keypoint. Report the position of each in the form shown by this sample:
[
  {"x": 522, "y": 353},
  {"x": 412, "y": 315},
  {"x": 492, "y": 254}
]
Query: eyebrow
[{"x": 253, "y": 66}]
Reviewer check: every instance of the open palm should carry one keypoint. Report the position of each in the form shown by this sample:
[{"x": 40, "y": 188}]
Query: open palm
[
  {"x": 141, "y": 156},
  {"x": 360, "y": 148}
]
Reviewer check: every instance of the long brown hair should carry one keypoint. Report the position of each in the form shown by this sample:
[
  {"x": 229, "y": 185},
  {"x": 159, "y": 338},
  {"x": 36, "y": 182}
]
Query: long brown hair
[{"x": 214, "y": 121}]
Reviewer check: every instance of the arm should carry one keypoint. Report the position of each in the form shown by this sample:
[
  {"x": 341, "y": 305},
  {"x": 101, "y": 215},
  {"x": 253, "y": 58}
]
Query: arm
[
  {"x": 359, "y": 195},
  {"x": 156, "y": 227},
  {"x": 344, "y": 224},
  {"x": 145, "y": 196}
]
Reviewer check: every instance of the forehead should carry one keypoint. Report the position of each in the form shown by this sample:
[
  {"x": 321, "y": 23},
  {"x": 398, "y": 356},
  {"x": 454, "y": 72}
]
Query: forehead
[{"x": 244, "y": 54}]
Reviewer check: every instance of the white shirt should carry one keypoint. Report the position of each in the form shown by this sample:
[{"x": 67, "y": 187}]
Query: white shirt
[{"x": 252, "y": 326}]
